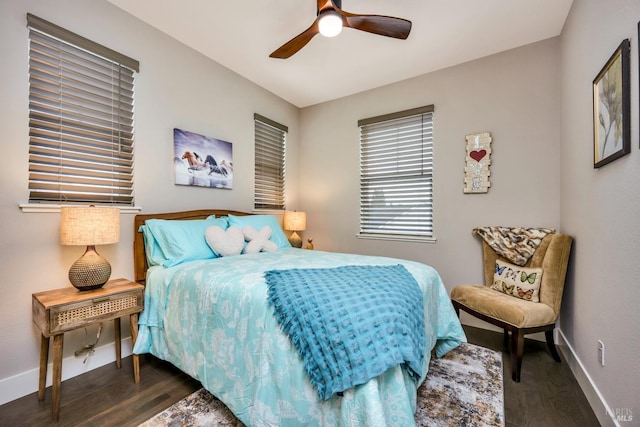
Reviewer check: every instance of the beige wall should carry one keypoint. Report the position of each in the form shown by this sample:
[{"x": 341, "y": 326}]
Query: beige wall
[
  {"x": 514, "y": 95},
  {"x": 601, "y": 207},
  {"x": 176, "y": 87}
]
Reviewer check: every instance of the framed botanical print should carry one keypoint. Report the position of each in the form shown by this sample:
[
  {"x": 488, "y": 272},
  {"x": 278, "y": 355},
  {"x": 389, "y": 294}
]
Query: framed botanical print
[{"x": 611, "y": 108}]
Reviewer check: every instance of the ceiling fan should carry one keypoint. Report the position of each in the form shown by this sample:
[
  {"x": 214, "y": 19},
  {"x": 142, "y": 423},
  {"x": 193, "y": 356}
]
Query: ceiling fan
[{"x": 330, "y": 20}]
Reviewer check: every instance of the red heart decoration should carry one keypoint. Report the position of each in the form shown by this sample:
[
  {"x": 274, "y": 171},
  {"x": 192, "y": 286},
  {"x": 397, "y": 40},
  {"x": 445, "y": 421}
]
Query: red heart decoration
[{"x": 478, "y": 155}]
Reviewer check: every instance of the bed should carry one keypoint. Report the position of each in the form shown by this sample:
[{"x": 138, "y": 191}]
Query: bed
[{"x": 212, "y": 318}]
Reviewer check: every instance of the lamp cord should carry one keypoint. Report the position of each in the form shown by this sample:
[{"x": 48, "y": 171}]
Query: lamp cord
[{"x": 88, "y": 349}]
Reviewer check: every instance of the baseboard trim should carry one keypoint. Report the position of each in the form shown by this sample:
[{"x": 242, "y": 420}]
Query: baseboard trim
[
  {"x": 25, "y": 383},
  {"x": 589, "y": 388}
]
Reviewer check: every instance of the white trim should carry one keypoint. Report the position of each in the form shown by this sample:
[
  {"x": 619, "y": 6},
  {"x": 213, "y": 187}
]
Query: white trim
[
  {"x": 398, "y": 237},
  {"x": 49, "y": 208},
  {"x": 268, "y": 211},
  {"x": 589, "y": 388},
  {"x": 25, "y": 383}
]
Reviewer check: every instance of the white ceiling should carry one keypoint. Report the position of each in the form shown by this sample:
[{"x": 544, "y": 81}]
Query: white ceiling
[{"x": 240, "y": 34}]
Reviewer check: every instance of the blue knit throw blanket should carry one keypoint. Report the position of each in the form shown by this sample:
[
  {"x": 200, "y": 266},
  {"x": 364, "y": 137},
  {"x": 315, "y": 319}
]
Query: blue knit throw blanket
[{"x": 350, "y": 324}]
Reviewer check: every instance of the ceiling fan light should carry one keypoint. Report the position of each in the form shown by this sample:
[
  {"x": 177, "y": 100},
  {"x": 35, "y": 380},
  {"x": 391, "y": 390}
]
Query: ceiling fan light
[{"x": 330, "y": 23}]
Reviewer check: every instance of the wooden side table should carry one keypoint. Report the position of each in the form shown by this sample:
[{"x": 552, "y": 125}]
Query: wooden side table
[{"x": 58, "y": 311}]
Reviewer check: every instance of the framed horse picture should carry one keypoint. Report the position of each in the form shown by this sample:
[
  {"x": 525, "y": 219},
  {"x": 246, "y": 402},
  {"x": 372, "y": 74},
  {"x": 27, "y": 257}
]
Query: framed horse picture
[{"x": 201, "y": 160}]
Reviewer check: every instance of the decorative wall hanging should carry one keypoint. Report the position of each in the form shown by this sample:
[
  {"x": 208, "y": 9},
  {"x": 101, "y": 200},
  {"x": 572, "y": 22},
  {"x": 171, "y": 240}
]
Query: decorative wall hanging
[
  {"x": 476, "y": 169},
  {"x": 612, "y": 108},
  {"x": 202, "y": 161}
]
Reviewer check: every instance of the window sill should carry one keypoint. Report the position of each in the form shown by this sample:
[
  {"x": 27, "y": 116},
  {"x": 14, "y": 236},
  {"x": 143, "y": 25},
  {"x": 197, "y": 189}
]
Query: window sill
[
  {"x": 268, "y": 211},
  {"x": 49, "y": 208},
  {"x": 397, "y": 237}
]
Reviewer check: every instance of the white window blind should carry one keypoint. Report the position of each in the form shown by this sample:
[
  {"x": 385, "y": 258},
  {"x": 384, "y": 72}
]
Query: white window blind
[
  {"x": 80, "y": 119},
  {"x": 396, "y": 172},
  {"x": 270, "y": 142}
]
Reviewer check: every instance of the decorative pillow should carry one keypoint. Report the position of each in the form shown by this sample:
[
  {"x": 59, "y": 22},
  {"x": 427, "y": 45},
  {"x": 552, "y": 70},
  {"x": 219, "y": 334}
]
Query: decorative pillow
[
  {"x": 259, "y": 221},
  {"x": 221, "y": 219},
  {"x": 151, "y": 247},
  {"x": 225, "y": 242},
  {"x": 182, "y": 240},
  {"x": 516, "y": 281},
  {"x": 258, "y": 240}
]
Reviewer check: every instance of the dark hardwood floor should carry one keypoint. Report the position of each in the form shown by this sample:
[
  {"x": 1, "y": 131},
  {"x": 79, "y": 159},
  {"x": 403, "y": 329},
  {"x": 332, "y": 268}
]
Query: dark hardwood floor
[{"x": 548, "y": 394}]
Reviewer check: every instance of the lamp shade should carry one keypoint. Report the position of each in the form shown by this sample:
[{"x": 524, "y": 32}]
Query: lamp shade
[
  {"x": 295, "y": 221},
  {"x": 89, "y": 226}
]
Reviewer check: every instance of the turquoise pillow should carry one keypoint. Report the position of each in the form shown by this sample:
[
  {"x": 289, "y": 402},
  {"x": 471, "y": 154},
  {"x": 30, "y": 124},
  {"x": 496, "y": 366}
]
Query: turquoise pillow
[
  {"x": 259, "y": 221},
  {"x": 181, "y": 241},
  {"x": 151, "y": 247}
]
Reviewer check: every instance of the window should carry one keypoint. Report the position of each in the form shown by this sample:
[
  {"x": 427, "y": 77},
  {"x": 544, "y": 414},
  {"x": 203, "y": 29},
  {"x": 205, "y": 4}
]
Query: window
[
  {"x": 396, "y": 173},
  {"x": 80, "y": 119},
  {"x": 270, "y": 139}
]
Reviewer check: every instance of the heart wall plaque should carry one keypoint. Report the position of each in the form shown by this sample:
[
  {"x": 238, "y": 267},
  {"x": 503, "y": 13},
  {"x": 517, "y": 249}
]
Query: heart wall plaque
[
  {"x": 477, "y": 155},
  {"x": 476, "y": 170}
]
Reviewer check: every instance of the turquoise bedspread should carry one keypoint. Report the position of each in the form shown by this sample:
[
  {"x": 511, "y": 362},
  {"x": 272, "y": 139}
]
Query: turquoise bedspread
[
  {"x": 211, "y": 319},
  {"x": 348, "y": 324}
]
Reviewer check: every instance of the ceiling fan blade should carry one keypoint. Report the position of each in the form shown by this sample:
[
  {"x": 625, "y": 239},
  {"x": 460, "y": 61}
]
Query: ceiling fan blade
[
  {"x": 327, "y": 4},
  {"x": 378, "y": 24},
  {"x": 295, "y": 44}
]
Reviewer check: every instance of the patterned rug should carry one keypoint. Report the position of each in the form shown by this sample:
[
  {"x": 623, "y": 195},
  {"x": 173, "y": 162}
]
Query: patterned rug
[{"x": 463, "y": 388}]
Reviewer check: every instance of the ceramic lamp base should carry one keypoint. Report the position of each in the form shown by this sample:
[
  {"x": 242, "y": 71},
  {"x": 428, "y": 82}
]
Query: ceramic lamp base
[
  {"x": 295, "y": 240},
  {"x": 90, "y": 271}
]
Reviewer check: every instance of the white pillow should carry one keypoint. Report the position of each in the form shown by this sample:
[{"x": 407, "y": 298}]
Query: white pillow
[
  {"x": 258, "y": 240},
  {"x": 225, "y": 242}
]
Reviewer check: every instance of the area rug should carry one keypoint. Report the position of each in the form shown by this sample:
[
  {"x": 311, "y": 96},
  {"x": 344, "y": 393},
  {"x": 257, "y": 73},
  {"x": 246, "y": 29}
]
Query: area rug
[{"x": 463, "y": 388}]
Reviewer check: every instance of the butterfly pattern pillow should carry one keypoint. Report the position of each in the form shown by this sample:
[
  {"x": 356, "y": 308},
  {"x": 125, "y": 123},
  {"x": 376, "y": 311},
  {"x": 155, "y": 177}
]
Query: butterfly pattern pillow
[{"x": 516, "y": 281}]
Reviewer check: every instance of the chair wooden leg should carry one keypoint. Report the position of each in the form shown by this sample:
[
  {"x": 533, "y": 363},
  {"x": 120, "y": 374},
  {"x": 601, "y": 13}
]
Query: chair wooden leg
[
  {"x": 506, "y": 339},
  {"x": 517, "y": 348},
  {"x": 552, "y": 346}
]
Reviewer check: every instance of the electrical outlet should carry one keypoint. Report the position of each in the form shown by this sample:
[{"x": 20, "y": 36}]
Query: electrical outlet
[{"x": 601, "y": 352}]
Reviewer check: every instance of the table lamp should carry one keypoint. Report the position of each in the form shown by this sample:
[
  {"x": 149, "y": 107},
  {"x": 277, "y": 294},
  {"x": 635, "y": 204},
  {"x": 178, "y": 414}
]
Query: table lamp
[
  {"x": 295, "y": 221},
  {"x": 90, "y": 226}
]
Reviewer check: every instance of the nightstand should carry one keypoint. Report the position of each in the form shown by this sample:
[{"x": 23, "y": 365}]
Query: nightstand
[{"x": 58, "y": 311}]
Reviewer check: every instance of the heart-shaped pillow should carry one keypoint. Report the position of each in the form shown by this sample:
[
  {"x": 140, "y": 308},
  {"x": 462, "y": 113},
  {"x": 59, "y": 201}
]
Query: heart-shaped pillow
[
  {"x": 258, "y": 240},
  {"x": 224, "y": 242}
]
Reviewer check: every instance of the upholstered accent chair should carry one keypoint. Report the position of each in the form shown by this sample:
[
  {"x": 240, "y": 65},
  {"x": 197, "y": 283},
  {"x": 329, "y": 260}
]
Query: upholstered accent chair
[{"x": 515, "y": 315}]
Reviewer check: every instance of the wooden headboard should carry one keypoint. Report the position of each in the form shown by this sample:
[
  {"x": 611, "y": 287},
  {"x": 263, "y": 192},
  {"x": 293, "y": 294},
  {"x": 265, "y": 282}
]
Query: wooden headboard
[{"x": 140, "y": 265}]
